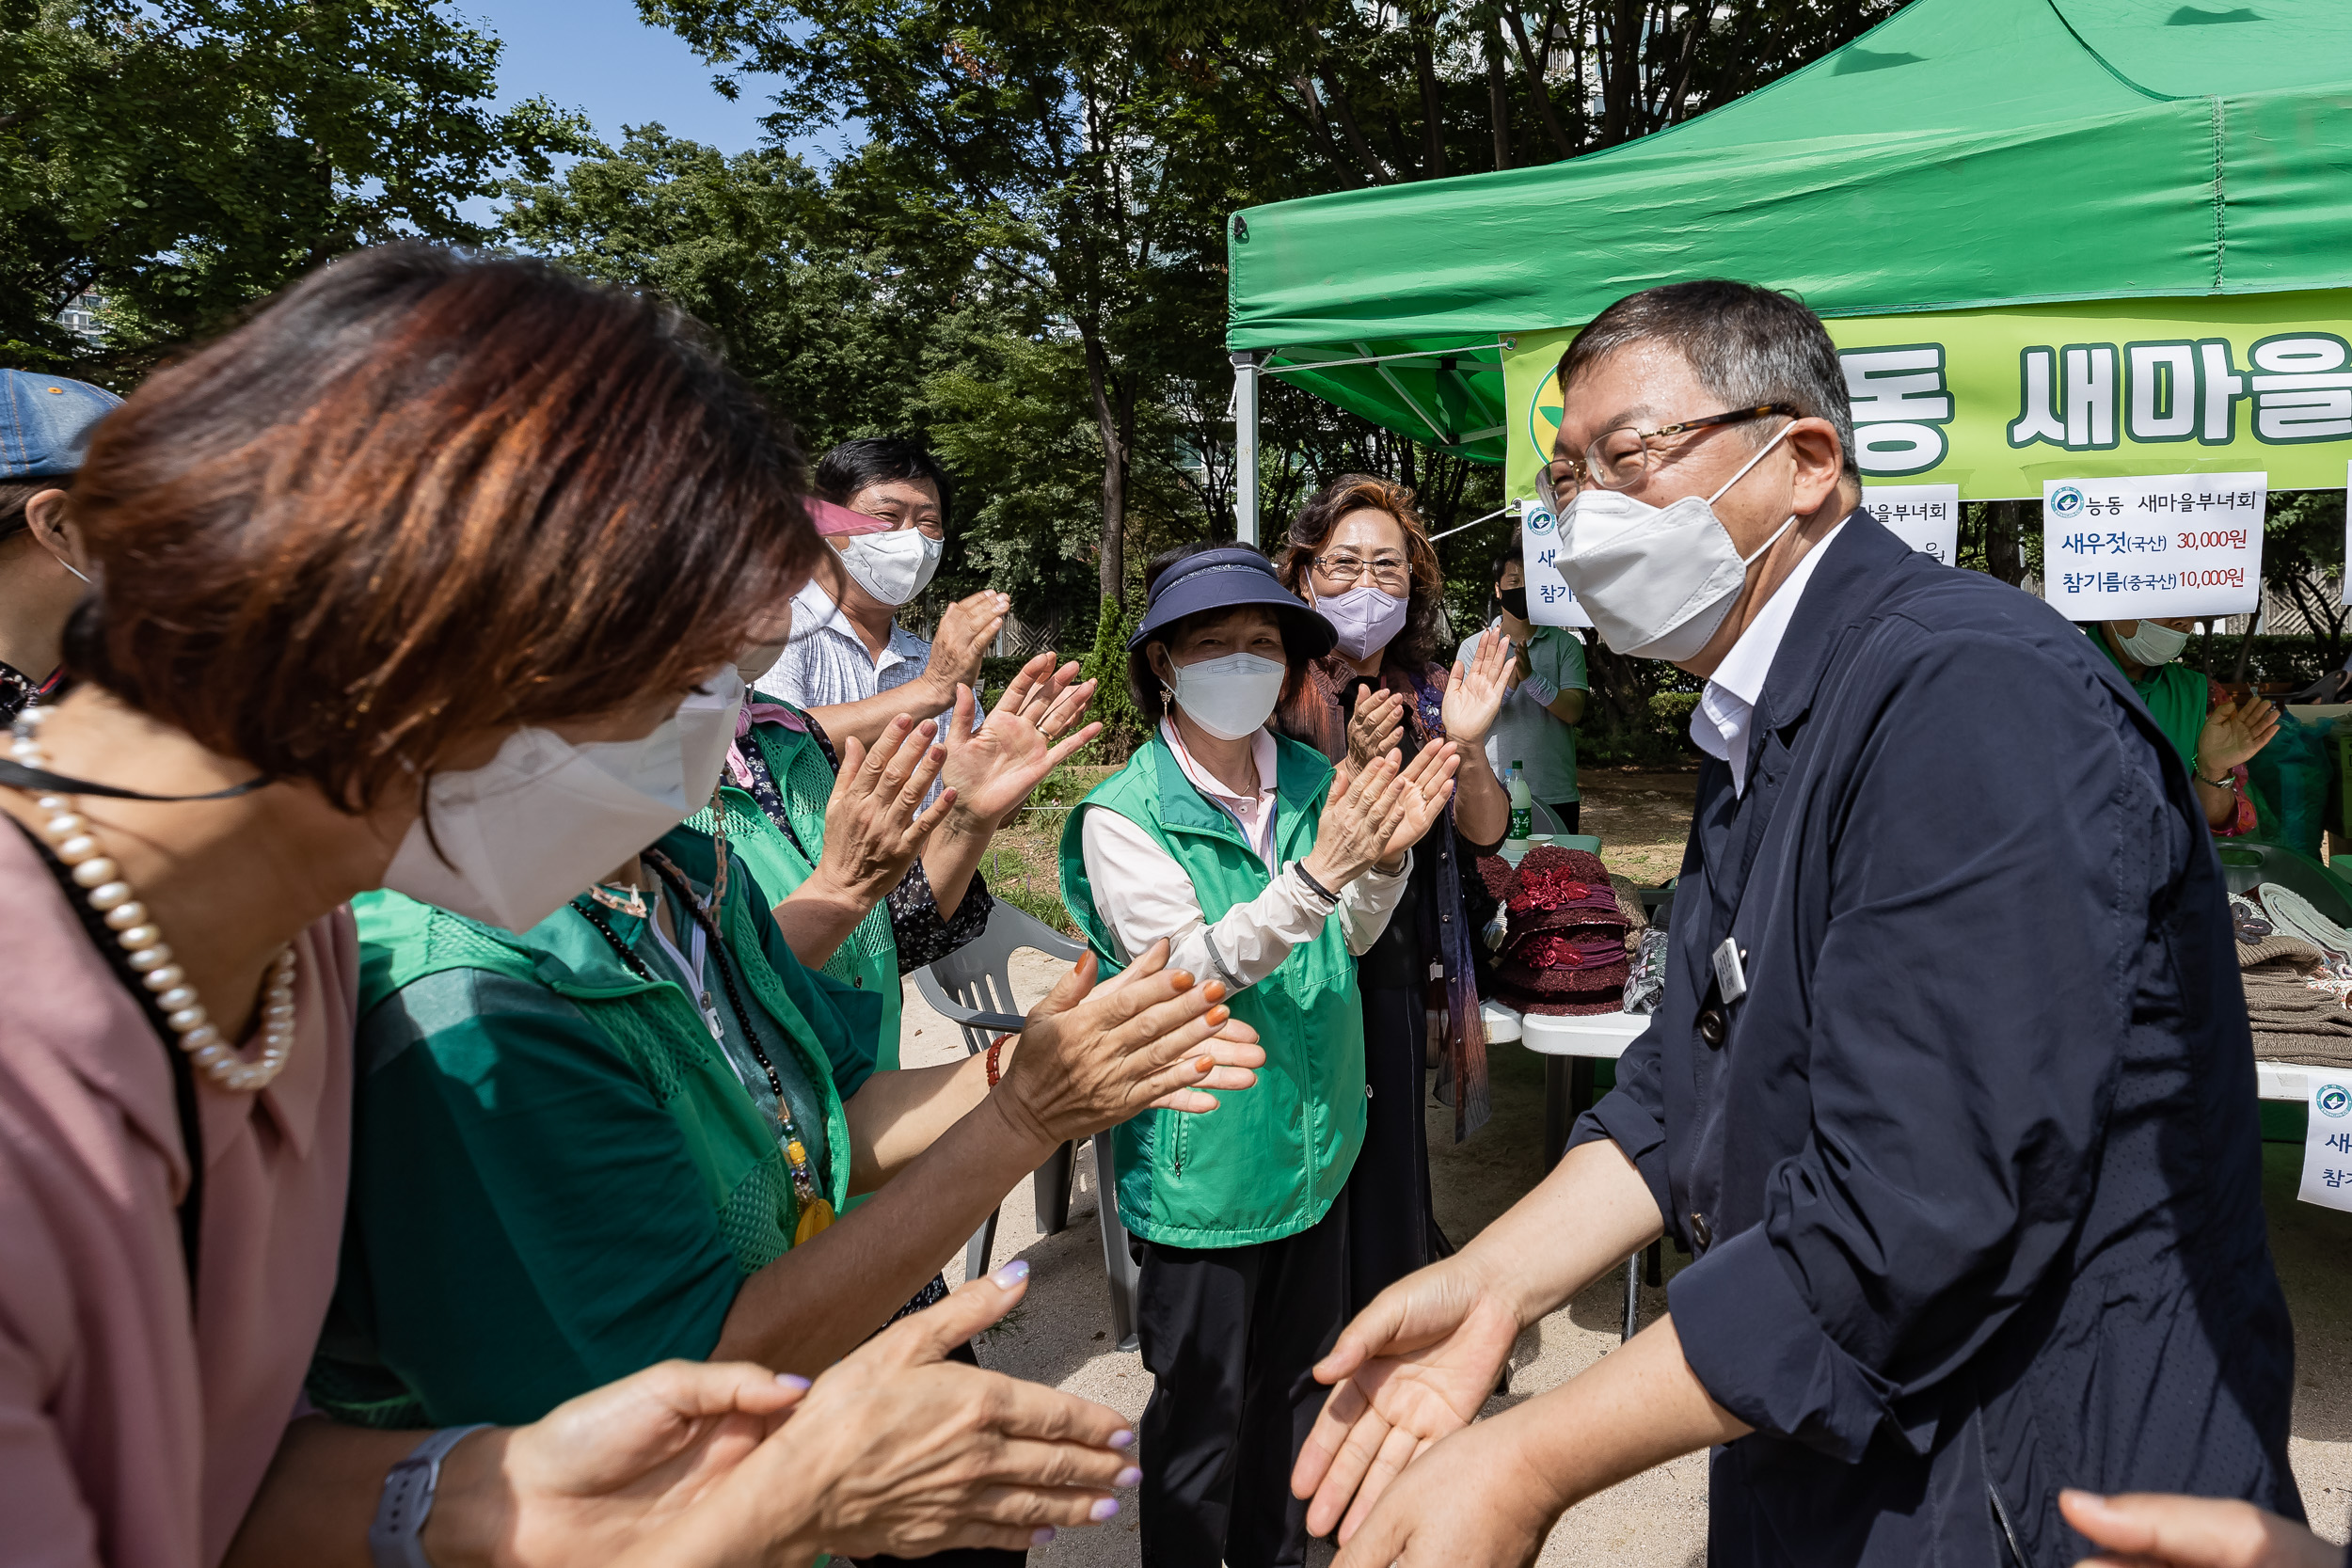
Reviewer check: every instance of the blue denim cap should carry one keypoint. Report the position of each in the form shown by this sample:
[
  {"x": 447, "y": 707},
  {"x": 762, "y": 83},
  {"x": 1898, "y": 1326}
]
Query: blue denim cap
[
  {"x": 45, "y": 424},
  {"x": 1229, "y": 578}
]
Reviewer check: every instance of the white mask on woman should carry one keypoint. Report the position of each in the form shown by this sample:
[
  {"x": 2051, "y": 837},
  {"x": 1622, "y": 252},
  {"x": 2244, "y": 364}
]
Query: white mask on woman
[
  {"x": 894, "y": 566},
  {"x": 530, "y": 829},
  {"x": 1656, "y": 581},
  {"x": 1366, "y": 618},
  {"x": 1229, "y": 697},
  {"x": 2152, "y": 644}
]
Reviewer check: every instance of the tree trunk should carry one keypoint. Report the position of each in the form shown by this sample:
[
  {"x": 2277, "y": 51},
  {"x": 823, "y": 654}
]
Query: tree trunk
[
  {"x": 1421, "y": 26},
  {"x": 1498, "y": 97},
  {"x": 1115, "y": 425},
  {"x": 1533, "y": 61},
  {"x": 2004, "y": 551},
  {"x": 1620, "y": 72}
]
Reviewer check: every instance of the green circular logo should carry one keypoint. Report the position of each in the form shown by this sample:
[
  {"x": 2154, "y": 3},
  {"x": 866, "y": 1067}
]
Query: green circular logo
[
  {"x": 2333, "y": 1100},
  {"x": 1544, "y": 411}
]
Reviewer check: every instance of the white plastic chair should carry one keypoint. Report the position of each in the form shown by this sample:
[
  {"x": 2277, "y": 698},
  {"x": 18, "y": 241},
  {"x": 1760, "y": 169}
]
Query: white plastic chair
[{"x": 972, "y": 988}]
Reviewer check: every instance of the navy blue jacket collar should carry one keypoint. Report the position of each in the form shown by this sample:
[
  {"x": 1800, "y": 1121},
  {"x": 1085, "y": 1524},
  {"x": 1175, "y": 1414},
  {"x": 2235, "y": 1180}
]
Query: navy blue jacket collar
[{"x": 1844, "y": 590}]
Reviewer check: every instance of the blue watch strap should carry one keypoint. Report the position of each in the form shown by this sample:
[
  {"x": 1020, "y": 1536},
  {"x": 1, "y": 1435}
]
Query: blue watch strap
[{"x": 396, "y": 1539}]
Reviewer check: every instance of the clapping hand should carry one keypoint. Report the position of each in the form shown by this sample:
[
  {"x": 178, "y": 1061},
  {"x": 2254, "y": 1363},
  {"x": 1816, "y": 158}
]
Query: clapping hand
[
  {"x": 873, "y": 825},
  {"x": 1474, "y": 693},
  {"x": 993, "y": 769},
  {"x": 1376, "y": 727},
  {"x": 2233, "y": 732},
  {"x": 1373, "y": 816},
  {"x": 965, "y": 629},
  {"x": 1092, "y": 1055}
]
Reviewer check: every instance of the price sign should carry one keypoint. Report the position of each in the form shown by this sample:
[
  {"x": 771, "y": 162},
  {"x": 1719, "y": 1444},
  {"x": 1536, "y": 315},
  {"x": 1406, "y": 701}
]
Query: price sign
[
  {"x": 2328, "y": 1142},
  {"x": 1550, "y": 600},
  {"x": 2125, "y": 549},
  {"x": 1925, "y": 516}
]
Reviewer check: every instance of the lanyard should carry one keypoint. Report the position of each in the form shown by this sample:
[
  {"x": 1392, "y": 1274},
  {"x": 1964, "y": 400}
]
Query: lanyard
[{"x": 692, "y": 968}]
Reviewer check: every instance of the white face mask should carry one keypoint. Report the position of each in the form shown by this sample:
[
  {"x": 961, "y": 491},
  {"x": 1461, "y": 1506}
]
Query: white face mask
[
  {"x": 1366, "y": 618},
  {"x": 1229, "y": 697},
  {"x": 894, "y": 566},
  {"x": 1656, "y": 581},
  {"x": 2152, "y": 644},
  {"x": 543, "y": 818}
]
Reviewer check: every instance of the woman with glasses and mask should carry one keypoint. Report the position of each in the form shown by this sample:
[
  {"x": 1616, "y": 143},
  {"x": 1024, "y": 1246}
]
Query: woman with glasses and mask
[
  {"x": 1359, "y": 554},
  {"x": 429, "y": 577},
  {"x": 1269, "y": 873}
]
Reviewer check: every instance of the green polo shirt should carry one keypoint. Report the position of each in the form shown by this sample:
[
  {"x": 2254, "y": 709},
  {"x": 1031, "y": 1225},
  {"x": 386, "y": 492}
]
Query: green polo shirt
[
  {"x": 1525, "y": 730},
  {"x": 543, "y": 1200}
]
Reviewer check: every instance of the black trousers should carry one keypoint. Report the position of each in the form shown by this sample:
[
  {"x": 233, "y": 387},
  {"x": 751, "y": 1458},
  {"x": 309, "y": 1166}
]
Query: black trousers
[
  {"x": 1231, "y": 1334},
  {"x": 957, "y": 1556},
  {"x": 1392, "y": 1224},
  {"x": 1566, "y": 814}
]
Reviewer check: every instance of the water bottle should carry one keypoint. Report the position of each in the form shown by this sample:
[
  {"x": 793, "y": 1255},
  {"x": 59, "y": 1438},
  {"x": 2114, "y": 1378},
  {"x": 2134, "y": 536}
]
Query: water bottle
[{"x": 1522, "y": 804}]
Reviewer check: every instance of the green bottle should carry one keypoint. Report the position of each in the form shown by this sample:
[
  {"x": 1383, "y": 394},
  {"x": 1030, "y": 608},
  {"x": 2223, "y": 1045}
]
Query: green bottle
[{"x": 1522, "y": 804}]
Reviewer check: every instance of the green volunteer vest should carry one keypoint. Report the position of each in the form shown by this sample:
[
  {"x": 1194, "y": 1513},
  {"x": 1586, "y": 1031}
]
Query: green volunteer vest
[
  {"x": 867, "y": 959},
  {"x": 652, "y": 1024},
  {"x": 1269, "y": 1160}
]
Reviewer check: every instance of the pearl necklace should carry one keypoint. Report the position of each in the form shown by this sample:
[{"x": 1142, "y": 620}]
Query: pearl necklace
[{"x": 149, "y": 957}]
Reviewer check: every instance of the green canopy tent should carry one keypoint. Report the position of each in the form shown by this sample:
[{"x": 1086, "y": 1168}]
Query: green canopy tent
[{"x": 2115, "y": 185}]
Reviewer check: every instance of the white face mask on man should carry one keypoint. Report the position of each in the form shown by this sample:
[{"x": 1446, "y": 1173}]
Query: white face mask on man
[
  {"x": 894, "y": 566},
  {"x": 528, "y": 830},
  {"x": 1657, "y": 580},
  {"x": 1229, "y": 697}
]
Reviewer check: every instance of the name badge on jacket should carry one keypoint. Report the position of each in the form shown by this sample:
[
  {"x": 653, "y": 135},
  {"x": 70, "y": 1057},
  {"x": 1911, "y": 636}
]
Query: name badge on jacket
[{"x": 1731, "y": 978}]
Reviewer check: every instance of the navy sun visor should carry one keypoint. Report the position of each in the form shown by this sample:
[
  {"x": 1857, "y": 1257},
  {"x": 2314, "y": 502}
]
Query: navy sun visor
[{"x": 1233, "y": 576}]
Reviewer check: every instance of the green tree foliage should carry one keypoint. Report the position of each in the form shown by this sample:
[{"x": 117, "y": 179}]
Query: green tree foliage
[{"x": 187, "y": 156}]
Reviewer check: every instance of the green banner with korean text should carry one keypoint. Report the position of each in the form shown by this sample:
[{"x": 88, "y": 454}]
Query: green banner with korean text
[{"x": 2001, "y": 401}]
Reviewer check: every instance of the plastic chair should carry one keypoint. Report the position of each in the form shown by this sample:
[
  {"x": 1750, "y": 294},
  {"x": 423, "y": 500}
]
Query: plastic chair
[{"x": 972, "y": 988}]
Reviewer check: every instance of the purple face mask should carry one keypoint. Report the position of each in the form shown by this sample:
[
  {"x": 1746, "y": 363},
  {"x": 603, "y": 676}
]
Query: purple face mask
[{"x": 1366, "y": 619}]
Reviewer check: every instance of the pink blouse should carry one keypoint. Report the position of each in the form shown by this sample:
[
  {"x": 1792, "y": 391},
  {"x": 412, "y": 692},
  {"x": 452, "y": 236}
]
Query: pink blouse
[{"x": 126, "y": 1438}]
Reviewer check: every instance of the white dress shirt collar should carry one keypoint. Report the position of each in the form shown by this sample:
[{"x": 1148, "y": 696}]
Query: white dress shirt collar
[{"x": 1719, "y": 725}]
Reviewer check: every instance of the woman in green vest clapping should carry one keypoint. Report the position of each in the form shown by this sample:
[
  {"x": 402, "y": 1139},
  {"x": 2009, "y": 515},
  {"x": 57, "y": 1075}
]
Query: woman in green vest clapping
[{"x": 1266, "y": 874}]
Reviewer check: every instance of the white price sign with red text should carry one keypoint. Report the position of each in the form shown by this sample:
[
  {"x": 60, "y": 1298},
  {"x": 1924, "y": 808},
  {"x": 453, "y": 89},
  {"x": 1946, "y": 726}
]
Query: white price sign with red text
[{"x": 2129, "y": 550}]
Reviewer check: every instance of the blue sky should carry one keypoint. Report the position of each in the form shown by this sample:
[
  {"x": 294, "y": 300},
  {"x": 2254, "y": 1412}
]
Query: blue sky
[{"x": 596, "y": 57}]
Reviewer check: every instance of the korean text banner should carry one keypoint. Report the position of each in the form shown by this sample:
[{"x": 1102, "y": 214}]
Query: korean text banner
[{"x": 2003, "y": 401}]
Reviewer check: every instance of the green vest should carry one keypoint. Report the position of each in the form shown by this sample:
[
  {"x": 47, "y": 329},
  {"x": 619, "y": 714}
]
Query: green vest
[
  {"x": 867, "y": 959},
  {"x": 652, "y": 1024},
  {"x": 1269, "y": 1160}
]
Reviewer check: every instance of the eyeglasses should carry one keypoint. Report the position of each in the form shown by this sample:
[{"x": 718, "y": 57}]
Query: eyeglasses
[
  {"x": 1620, "y": 459},
  {"x": 1389, "y": 572}
]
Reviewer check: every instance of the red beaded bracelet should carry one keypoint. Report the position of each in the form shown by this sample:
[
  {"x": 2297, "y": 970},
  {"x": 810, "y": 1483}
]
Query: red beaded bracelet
[{"x": 994, "y": 1047}]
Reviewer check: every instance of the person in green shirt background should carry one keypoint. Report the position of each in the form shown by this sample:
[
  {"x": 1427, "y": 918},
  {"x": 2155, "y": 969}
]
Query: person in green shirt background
[
  {"x": 1536, "y": 724},
  {"x": 2215, "y": 734}
]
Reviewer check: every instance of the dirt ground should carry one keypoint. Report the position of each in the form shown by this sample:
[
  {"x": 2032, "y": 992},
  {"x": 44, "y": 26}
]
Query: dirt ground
[{"x": 1060, "y": 1332}]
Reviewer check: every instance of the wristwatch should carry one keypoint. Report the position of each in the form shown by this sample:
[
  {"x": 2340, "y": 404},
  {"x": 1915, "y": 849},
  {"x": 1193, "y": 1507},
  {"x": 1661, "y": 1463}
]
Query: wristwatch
[{"x": 396, "y": 1539}]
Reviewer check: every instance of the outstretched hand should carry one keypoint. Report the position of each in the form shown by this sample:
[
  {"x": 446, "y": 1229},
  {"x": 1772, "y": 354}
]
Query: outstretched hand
[
  {"x": 2156, "y": 1530},
  {"x": 1414, "y": 1365},
  {"x": 2234, "y": 732}
]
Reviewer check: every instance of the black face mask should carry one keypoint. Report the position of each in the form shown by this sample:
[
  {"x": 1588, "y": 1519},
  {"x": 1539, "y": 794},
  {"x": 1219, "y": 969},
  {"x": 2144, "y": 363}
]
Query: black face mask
[{"x": 1514, "y": 600}]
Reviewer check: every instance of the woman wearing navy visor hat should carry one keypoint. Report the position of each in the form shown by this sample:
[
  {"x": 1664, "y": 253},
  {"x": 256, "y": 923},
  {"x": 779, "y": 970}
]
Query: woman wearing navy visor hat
[{"x": 1269, "y": 872}]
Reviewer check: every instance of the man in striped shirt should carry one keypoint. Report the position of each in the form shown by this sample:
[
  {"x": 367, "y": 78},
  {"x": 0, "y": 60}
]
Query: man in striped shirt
[{"x": 849, "y": 662}]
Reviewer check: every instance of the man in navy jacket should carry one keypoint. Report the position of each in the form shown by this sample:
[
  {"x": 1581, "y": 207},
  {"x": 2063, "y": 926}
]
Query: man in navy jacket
[{"x": 1951, "y": 1091}]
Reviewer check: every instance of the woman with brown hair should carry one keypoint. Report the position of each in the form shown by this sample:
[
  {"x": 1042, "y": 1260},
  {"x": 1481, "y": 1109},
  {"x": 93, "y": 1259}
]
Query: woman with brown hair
[
  {"x": 427, "y": 529},
  {"x": 1359, "y": 554}
]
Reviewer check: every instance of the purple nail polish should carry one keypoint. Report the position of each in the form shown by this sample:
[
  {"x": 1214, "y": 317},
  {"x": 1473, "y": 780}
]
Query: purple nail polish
[
  {"x": 793, "y": 1380},
  {"x": 1104, "y": 1507},
  {"x": 1042, "y": 1535},
  {"x": 1123, "y": 1439},
  {"x": 1012, "y": 1273},
  {"x": 1131, "y": 1476}
]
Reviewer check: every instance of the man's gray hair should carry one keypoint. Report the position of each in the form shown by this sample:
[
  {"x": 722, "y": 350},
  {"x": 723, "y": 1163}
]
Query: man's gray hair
[{"x": 1747, "y": 345}]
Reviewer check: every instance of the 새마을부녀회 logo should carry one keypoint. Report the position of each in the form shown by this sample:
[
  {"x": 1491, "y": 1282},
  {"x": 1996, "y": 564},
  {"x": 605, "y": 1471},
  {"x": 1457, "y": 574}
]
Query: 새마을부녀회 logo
[
  {"x": 2332, "y": 1101},
  {"x": 2066, "y": 502},
  {"x": 1535, "y": 519}
]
